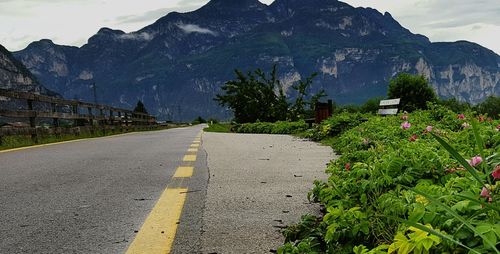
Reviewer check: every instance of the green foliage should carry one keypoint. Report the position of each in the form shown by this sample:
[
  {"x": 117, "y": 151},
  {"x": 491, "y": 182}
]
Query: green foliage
[
  {"x": 491, "y": 107},
  {"x": 219, "y": 127},
  {"x": 371, "y": 106},
  {"x": 199, "y": 120},
  {"x": 336, "y": 124},
  {"x": 140, "y": 108},
  {"x": 409, "y": 190},
  {"x": 414, "y": 92},
  {"x": 257, "y": 97},
  {"x": 280, "y": 127},
  {"x": 455, "y": 105}
]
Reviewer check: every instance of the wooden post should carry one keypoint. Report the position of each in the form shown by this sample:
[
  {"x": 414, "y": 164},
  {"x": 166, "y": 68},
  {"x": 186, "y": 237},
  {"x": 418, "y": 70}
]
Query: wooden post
[
  {"x": 103, "y": 122},
  {"x": 330, "y": 108},
  {"x": 55, "y": 120},
  {"x": 75, "y": 113},
  {"x": 91, "y": 120},
  {"x": 120, "y": 121},
  {"x": 34, "y": 135}
]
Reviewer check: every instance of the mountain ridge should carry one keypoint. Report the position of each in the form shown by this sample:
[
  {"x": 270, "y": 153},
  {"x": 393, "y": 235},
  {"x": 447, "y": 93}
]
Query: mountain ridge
[{"x": 178, "y": 63}]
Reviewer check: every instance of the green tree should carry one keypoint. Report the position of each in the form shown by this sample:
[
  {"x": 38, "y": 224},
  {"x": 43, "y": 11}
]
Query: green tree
[
  {"x": 299, "y": 110},
  {"x": 255, "y": 97},
  {"x": 490, "y": 106},
  {"x": 140, "y": 108},
  {"x": 413, "y": 90}
]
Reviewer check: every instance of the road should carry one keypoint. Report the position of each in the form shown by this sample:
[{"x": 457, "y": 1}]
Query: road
[
  {"x": 172, "y": 191},
  {"x": 92, "y": 196}
]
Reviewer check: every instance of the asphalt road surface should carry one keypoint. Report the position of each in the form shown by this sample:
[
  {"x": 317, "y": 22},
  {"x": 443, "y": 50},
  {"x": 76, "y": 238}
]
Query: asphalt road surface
[
  {"x": 92, "y": 196},
  {"x": 171, "y": 191}
]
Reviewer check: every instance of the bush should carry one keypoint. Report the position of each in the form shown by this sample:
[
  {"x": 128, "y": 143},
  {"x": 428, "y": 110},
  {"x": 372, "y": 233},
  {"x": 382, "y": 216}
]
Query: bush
[
  {"x": 395, "y": 183},
  {"x": 272, "y": 128},
  {"x": 414, "y": 92},
  {"x": 455, "y": 105},
  {"x": 491, "y": 107},
  {"x": 336, "y": 125}
]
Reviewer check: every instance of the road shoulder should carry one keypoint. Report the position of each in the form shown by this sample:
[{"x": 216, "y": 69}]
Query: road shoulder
[{"x": 258, "y": 185}]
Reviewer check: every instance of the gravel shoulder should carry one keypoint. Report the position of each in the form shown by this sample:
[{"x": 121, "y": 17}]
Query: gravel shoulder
[{"x": 258, "y": 184}]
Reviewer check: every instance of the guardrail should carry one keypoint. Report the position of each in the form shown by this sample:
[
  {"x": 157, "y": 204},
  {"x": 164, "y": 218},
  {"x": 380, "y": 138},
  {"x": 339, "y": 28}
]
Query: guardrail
[{"x": 84, "y": 115}]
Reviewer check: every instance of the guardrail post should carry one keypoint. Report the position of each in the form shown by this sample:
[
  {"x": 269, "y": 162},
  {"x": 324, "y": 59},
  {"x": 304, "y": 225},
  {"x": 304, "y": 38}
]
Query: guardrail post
[
  {"x": 34, "y": 135},
  {"x": 75, "y": 113},
  {"x": 91, "y": 120},
  {"x": 103, "y": 122}
]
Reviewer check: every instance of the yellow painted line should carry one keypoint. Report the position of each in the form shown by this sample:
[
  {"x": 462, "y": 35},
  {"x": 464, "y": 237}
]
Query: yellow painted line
[
  {"x": 195, "y": 145},
  {"x": 62, "y": 142},
  {"x": 184, "y": 172},
  {"x": 196, "y": 142},
  {"x": 189, "y": 158},
  {"x": 192, "y": 150},
  {"x": 157, "y": 234}
]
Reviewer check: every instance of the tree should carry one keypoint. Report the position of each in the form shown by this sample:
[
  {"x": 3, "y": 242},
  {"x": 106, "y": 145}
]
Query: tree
[
  {"x": 298, "y": 109},
  {"x": 490, "y": 106},
  {"x": 255, "y": 97},
  {"x": 139, "y": 108},
  {"x": 414, "y": 91}
]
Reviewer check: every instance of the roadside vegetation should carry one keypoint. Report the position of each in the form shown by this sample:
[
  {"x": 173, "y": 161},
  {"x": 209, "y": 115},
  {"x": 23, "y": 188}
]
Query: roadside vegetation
[
  {"x": 10, "y": 142},
  {"x": 423, "y": 181}
]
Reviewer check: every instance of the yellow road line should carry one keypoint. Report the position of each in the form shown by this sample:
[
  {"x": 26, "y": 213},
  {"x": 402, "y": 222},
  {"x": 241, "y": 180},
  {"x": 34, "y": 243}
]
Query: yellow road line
[
  {"x": 195, "y": 145},
  {"x": 196, "y": 142},
  {"x": 189, "y": 158},
  {"x": 191, "y": 150},
  {"x": 157, "y": 234},
  {"x": 184, "y": 172}
]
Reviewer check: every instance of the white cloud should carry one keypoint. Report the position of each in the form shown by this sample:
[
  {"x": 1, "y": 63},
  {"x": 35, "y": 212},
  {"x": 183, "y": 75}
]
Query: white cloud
[
  {"x": 137, "y": 36},
  {"x": 192, "y": 28}
]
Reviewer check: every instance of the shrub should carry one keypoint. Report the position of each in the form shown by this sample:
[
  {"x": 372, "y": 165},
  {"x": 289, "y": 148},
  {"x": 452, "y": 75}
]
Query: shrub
[
  {"x": 281, "y": 127},
  {"x": 394, "y": 189},
  {"x": 491, "y": 107},
  {"x": 414, "y": 92}
]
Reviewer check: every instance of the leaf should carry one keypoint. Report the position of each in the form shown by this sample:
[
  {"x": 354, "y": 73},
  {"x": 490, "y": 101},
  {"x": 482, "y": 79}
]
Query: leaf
[
  {"x": 459, "y": 158},
  {"x": 460, "y": 205},
  {"x": 484, "y": 228},
  {"x": 479, "y": 142},
  {"x": 417, "y": 213},
  {"x": 480, "y": 202},
  {"x": 427, "y": 243},
  {"x": 458, "y": 217},
  {"x": 436, "y": 233},
  {"x": 491, "y": 236}
]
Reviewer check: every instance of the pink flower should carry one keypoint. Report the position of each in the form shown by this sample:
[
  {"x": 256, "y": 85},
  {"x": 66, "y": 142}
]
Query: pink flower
[
  {"x": 366, "y": 142},
  {"x": 413, "y": 138},
  {"x": 498, "y": 127},
  {"x": 476, "y": 160},
  {"x": 481, "y": 118},
  {"x": 429, "y": 128},
  {"x": 461, "y": 116},
  {"x": 465, "y": 125},
  {"x": 348, "y": 166},
  {"x": 405, "y": 125},
  {"x": 404, "y": 117},
  {"x": 496, "y": 172},
  {"x": 485, "y": 193}
]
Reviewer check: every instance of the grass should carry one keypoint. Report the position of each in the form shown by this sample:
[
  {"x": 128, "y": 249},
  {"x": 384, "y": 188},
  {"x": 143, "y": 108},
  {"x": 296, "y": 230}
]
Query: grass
[
  {"x": 219, "y": 127},
  {"x": 11, "y": 142}
]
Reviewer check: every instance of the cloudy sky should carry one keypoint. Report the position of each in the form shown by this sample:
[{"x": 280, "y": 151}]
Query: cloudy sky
[{"x": 72, "y": 22}]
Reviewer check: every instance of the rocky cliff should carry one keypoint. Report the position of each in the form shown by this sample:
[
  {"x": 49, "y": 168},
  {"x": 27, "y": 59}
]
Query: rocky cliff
[
  {"x": 14, "y": 75},
  {"x": 177, "y": 65}
]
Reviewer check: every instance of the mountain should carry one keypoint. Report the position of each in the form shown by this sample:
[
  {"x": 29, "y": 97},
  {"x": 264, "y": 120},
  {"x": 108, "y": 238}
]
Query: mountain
[
  {"x": 14, "y": 75},
  {"x": 178, "y": 64}
]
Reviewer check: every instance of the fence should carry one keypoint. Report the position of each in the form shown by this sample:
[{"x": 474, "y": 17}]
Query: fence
[{"x": 85, "y": 116}]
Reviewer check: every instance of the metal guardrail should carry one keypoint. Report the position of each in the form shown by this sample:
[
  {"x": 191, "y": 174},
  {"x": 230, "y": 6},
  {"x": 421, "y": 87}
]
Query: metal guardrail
[{"x": 94, "y": 117}]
